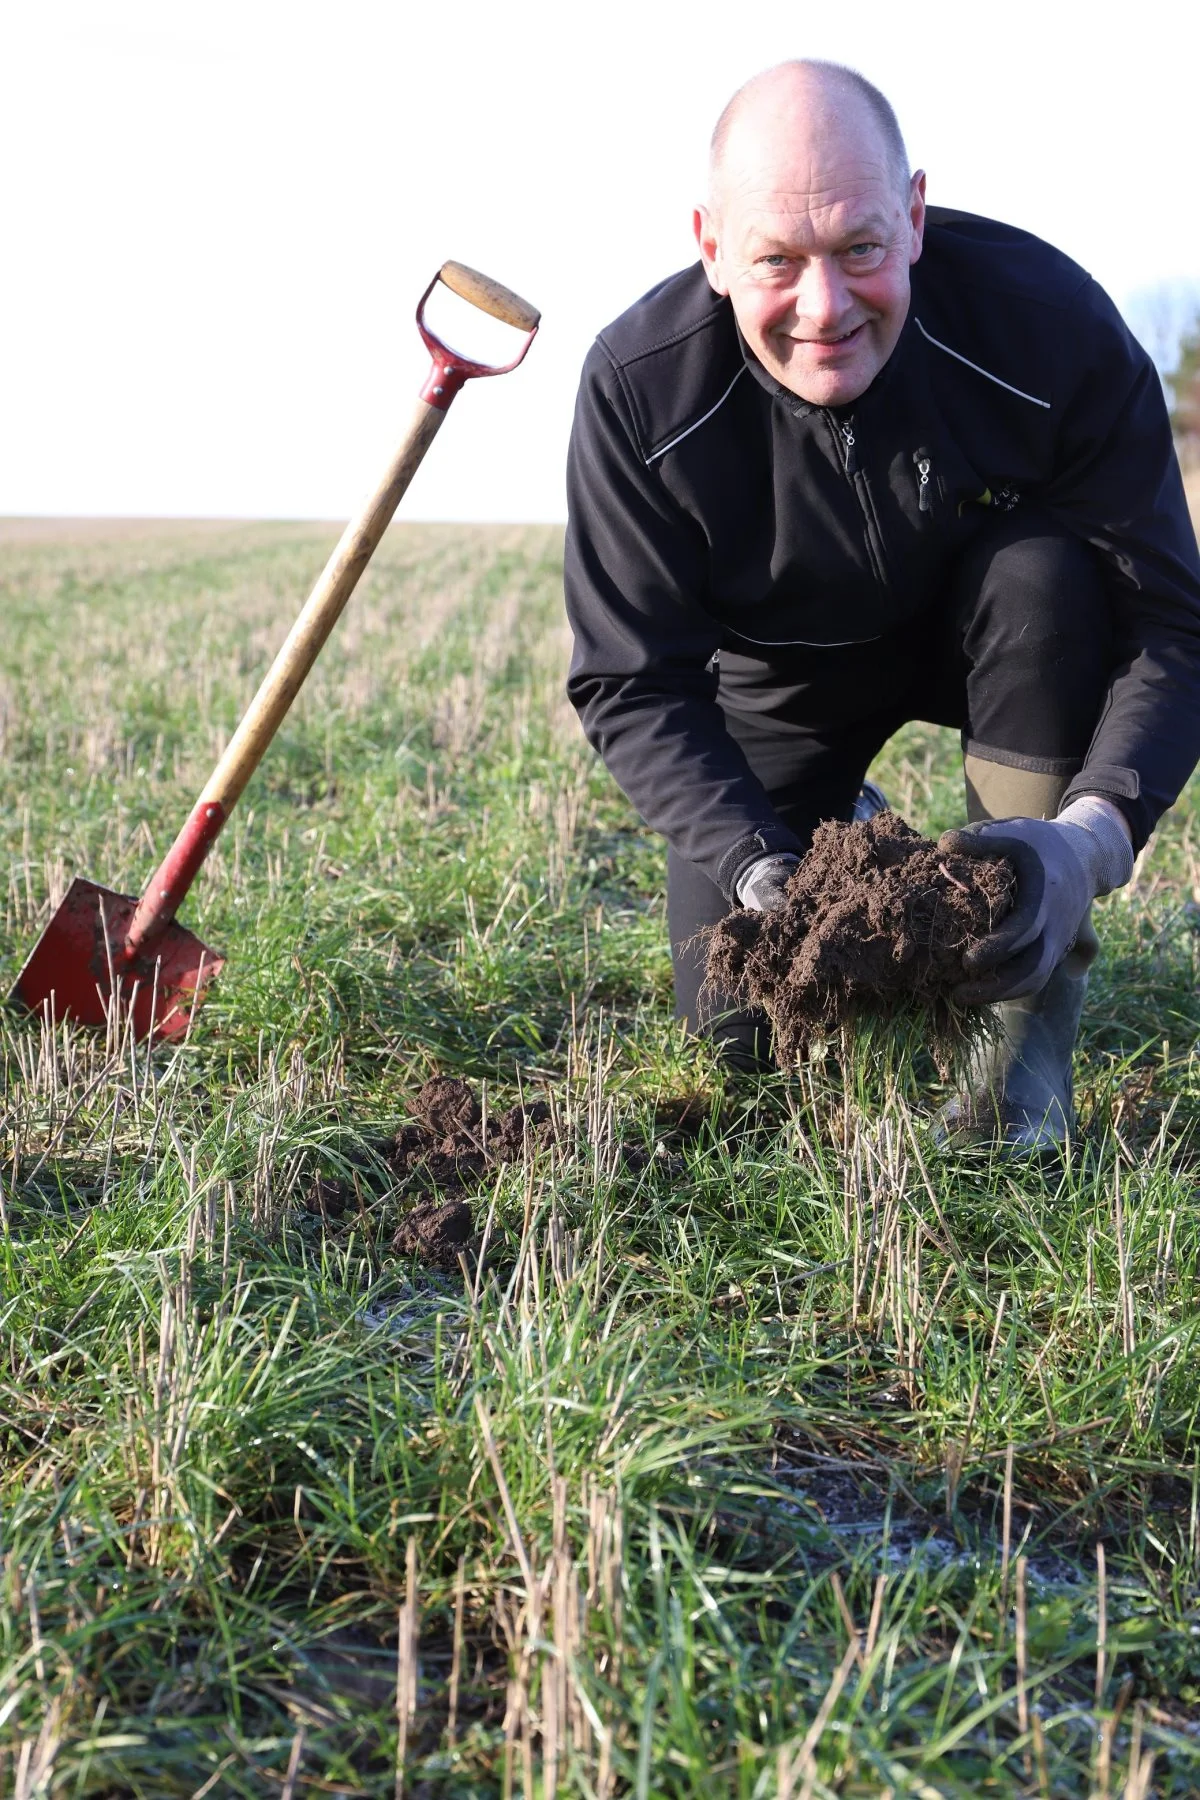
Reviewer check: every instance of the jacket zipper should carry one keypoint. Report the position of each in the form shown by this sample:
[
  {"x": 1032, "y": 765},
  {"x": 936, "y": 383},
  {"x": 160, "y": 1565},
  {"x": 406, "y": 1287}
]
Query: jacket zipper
[
  {"x": 924, "y": 471},
  {"x": 843, "y": 429}
]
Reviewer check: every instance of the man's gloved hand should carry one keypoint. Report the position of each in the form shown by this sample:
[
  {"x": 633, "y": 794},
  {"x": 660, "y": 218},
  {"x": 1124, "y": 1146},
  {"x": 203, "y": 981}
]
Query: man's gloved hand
[
  {"x": 761, "y": 888},
  {"x": 1062, "y": 865}
]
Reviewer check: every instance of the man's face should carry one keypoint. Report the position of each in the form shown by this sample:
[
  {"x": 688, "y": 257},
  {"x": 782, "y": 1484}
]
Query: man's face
[{"x": 813, "y": 242}]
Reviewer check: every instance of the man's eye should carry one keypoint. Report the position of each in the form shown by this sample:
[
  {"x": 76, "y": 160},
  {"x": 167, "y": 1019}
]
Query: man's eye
[
  {"x": 859, "y": 251},
  {"x": 775, "y": 261}
]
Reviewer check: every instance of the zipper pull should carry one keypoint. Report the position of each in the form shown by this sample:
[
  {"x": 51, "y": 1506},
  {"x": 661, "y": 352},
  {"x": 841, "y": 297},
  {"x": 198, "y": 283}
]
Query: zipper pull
[
  {"x": 924, "y": 470},
  {"x": 849, "y": 440}
]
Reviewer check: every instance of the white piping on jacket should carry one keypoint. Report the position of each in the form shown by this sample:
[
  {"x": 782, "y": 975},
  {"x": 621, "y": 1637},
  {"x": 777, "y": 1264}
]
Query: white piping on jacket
[
  {"x": 1019, "y": 392},
  {"x": 699, "y": 422},
  {"x": 803, "y": 643}
]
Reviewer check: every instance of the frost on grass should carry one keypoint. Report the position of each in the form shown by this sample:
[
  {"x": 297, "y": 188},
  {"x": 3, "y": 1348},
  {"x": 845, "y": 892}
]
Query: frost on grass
[{"x": 875, "y": 925}]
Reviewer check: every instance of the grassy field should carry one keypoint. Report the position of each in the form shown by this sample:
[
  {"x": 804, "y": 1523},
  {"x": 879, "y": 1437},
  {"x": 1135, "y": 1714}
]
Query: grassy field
[{"x": 764, "y": 1453}]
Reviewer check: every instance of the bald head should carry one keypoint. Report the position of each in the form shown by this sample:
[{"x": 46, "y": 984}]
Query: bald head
[
  {"x": 809, "y": 99},
  {"x": 812, "y": 225}
]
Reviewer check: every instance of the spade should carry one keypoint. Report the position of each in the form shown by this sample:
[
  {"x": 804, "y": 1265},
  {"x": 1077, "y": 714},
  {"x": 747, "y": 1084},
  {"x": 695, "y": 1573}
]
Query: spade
[{"x": 103, "y": 949}]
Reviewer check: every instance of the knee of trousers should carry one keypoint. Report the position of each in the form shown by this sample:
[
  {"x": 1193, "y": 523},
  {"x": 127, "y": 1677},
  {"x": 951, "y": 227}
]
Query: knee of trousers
[{"x": 1033, "y": 597}]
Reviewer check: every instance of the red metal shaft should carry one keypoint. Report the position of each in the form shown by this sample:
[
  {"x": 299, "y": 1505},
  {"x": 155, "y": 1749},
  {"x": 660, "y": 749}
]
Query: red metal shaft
[
  {"x": 174, "y": 876},
  {"x": 444, "y": 381}
]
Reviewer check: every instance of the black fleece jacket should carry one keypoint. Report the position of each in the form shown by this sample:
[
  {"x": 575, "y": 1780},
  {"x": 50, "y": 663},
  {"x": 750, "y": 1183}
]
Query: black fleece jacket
[{"x": 710, "y": 509}]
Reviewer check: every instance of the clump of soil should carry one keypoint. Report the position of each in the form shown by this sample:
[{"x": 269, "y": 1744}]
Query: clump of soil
[
  {"x": 435, "y": 1233},
  {"x": 446, "y": 1154},
  {"x": 682, "y": 1117},
  {"x": 448, "y": 1108},
  {"x": 451, "y": 1151},
  {"x": 875, "y": 925},
  {"x": 328, "y": 1196},
  {"x": 450, "y": 1148}
]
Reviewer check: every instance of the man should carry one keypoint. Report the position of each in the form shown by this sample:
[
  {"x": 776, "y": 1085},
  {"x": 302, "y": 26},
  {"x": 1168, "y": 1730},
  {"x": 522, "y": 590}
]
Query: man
[{"x": 868, "y": 463}]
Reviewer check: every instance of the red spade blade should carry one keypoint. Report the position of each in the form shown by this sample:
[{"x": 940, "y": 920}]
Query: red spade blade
[{"x": 70, "y": 970}]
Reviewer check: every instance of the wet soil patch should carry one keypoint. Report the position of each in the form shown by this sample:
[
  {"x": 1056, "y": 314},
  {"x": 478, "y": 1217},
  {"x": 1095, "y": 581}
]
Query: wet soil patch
[{"x": 875, "y": 924}]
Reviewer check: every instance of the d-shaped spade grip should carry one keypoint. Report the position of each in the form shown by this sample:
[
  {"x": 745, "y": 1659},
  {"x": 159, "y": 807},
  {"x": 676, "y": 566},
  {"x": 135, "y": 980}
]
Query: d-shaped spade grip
[
  {"x": 489, "y": 296},
  {"x": 451, "y": 369}
]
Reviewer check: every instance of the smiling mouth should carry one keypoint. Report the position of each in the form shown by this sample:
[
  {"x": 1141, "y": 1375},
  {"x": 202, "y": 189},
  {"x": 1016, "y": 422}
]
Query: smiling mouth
[{"x": 831, "y": 343}]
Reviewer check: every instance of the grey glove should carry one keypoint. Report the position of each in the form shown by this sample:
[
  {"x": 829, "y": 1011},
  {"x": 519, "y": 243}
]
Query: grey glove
[
  {"x": 1062, "y": 865},
  {"x": 761, "y": 888}
]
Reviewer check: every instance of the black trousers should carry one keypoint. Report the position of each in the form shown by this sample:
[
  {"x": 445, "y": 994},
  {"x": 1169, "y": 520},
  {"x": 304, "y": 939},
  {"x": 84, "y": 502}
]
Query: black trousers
[{"x": 1016, "y": 653}]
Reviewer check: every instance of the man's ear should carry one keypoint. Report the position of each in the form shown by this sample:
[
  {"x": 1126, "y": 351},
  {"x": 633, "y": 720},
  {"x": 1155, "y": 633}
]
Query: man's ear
[
  {"x": 705, "y": 228},
  {"x": 916, "y": 214}
]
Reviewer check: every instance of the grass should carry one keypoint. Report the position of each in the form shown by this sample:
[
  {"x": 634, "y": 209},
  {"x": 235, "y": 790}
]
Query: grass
[{"x": 779, "y": 1456}]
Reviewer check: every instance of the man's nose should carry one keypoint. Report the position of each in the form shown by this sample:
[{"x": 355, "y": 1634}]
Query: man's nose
[{"x": 821, "y": 294}]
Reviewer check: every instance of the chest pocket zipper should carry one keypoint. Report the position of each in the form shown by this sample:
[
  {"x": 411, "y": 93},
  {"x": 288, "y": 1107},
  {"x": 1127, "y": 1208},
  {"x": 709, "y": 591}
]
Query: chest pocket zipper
[{"x": 924, "y": 471}]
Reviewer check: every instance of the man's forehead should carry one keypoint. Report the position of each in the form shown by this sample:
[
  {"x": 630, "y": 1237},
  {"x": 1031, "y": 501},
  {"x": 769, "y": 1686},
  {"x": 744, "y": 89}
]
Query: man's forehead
[
  {"x": 773, "y": 210},
  {"x": 823, "y": 173}
]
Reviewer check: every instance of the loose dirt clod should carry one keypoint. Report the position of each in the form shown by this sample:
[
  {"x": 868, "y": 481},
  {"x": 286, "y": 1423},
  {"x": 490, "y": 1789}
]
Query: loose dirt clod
[
  {"x": 436, "y": 1233},
  {"x": 875, "y": 925},
  {"x": 451, "y": 1153},
  {"x": 448, "y": 1153},
  {"x": 521, "y": 1128},
  {"x": 450, "y": 1145},
  {"x": 682, "y": 1116},
  {"x": 447, "y": 1107}
]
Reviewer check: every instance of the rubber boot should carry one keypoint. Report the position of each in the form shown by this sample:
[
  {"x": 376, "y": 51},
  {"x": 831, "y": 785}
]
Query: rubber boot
[
  {"x": 1019, "y": 1091},
  {"x": 870, "y": 803}
]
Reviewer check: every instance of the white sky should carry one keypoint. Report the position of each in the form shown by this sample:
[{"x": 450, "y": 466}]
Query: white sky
[{"x": 217, "y": 218}]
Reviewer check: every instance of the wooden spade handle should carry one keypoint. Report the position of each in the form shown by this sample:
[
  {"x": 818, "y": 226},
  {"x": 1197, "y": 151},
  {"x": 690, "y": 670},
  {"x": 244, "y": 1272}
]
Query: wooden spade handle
[
  {"x": 321, "y": 612},
  {"x": 489, "y": 296},
  {"x": 324, "y": 606},
  {"x": 278, "y": 689}
]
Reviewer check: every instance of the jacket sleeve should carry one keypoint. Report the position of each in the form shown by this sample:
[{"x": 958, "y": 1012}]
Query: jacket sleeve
[
  {"x": 641, "y": 674},
  {"x": 1117, "y": 484}
]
